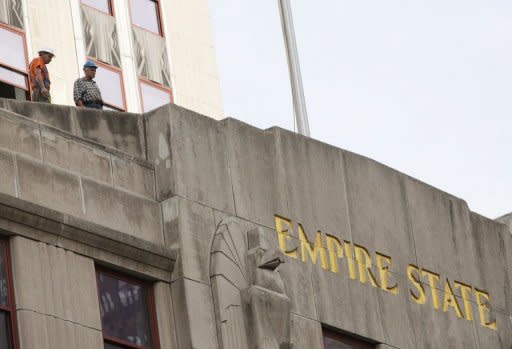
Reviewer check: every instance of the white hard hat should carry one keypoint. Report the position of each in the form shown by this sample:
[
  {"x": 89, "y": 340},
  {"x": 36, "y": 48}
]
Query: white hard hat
[{"x": 47, "y": 50}]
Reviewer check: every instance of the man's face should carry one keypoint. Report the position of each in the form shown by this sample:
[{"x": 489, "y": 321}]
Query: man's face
[
  {"x": 47, "y": 57},
  {"x": 90, "y": 73}
]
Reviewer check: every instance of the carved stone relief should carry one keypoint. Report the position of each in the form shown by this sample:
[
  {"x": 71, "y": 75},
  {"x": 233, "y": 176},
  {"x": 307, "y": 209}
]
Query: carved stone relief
[{"x": 251, "y": 307}]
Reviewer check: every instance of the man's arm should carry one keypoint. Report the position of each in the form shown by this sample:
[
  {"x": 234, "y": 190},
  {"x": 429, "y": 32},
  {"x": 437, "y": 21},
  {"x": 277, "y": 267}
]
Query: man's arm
[
  {"x": 77, "y": 94},
  {"x": 40, "y": 82}
]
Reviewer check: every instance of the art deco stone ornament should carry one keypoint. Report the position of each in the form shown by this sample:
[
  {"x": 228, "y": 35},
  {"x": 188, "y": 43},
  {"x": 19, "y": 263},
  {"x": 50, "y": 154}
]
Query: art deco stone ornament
[
  {"x": 251, "y": 306},
  {"x": 267, "y": 307}
]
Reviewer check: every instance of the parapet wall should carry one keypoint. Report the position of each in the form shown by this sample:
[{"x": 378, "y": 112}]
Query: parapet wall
[{"x": 171, "y": 180}]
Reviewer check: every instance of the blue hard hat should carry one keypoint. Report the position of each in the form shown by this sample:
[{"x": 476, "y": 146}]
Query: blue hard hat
[{"x": 90, "y": 64}]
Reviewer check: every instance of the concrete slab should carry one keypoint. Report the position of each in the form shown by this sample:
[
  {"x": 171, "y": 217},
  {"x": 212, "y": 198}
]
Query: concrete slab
[
  {"x": 121, "y": 211},
  {"x": 133, "y": 177},
  {"x": 18, "y": 217},
  {"x": 493, "y": 275},
  {"x": 508, "y": 260},
  {"x": 49, "y": 187},
  {"x": 194, "y": 315},
  {"x": 230, "y": 320},
  {"x": 315, "y": 183},
  {"x": 437, "y": 329},
  {"x": 46, "y": 332},
  {"x": 58, "y": 116},
  {"x": 70, "y": 154},
  {"x": 122, "y": 131},
  {"x": 305, "y": 333},
  {"x": 347, "y": 304},
  {"x": 165, "y": 316},
  {"x": 199, "y": 140},
  {"x": 442, "y": 232},
  {"x": 378, "y": 210},
  {"x": 300, "y": 287},
  {"x": 49, "y": 280},
  {"x": 158, "y": 134},
  {"x": 398, "y": 318},
  {"x": 189, "y": 227},
  {"x": 500, "y": 338},
  {"x": 193, "y": 139},
  {"x": 507, "y": 220},
  {"x": 259, "y": 180},
  {"x": 20, "y": 136},
  {"x": 7, "y": 173}
]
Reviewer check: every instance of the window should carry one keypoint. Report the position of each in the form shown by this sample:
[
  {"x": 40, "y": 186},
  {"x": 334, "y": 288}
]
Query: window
[
  {"x": 153, "y": 95},
  {"x": 110, "y": 82},
  {"x": 336, "y": 340},
  {"x": 13, "y": 63},
  {"x": 8, "y": 335},
  {"x": 100, "y": 5},
  {"x": 127, "y": 312},
  {"x": 146, "y": 14}
]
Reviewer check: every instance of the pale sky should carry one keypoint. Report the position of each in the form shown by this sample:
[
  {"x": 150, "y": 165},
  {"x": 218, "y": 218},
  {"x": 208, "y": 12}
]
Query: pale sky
[{"x": 423, "y": 86}]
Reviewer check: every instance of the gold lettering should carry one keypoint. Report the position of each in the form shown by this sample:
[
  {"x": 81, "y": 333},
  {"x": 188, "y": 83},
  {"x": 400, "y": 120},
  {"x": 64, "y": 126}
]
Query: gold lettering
[
  {"x": 450, "y": 300},
  {"x": 364, "y": 263},
  {"x": 465, "y": 291},
  {"x": 383, "y": 264},
  {"x": 283, "y": 234},
  {"x": 421, "y": 298},
  {"x": 433, "y": 278},
  {"x": 335, "y": 251},
  {"x": 313, "y": 249},
  {"x": 350, "y": 259},
  {"x": 482, "y": 300}
]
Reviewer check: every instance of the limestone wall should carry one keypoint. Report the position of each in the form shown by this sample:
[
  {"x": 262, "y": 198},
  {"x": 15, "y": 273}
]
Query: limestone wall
[
  {"x": 229, "y": 171},
  {"x": 208, "y": 209}
]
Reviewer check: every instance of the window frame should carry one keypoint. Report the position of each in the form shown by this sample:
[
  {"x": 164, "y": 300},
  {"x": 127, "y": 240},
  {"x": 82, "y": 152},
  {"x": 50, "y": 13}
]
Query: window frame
[
  {"x": 346, "y": 338},
  {"x": 117, "y": 70},
  {"x": 153, "y": 319},
  {"x": 158, "y": 17},
  {"x": 155, "y": 85},
  {"x": 110, "y": 4},
  {"x": 14, "y": 69},
  {"x": 10, "y": 309}
]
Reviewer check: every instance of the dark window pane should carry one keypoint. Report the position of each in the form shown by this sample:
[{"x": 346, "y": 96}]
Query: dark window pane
[
  {"x": 124, "y": 311},
  {"x": 145, "y": 15},
  {"x": 5, "y": 331},
  {"x": 333, "y": 340},
  {"x": 153, "y": 97},
  {"x": 12, "y": 50},
  {"x": 334, "y": 344},
  {"x": 112, "y": 346},
  {"x": 102, "y": 5},
  {"x": 13, "y": 78},
  {"x": 4, "y": 289},
  {"x": 111, "y": 86},
  {"x": 11, "y": 92}
]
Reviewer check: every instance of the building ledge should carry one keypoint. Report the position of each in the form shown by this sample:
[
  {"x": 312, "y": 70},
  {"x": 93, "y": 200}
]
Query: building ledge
[{"x": 108, "y": 246}]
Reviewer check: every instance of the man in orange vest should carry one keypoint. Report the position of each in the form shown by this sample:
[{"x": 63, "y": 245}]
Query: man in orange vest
[{"x": 39, "y": 76}]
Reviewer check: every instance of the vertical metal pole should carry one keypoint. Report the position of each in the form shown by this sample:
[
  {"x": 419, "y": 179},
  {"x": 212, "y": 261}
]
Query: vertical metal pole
[{"x": 299, "y": 101}]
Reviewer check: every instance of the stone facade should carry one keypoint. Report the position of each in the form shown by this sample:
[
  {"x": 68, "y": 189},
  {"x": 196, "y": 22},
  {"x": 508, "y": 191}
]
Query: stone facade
[{"x": 251, "y": 238}]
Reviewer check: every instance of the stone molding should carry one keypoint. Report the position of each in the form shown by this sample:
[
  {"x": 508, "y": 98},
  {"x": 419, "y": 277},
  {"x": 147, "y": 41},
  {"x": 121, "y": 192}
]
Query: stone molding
[
  {"x": 56, "y": 225},
  {"x": 251, "y": 306}
]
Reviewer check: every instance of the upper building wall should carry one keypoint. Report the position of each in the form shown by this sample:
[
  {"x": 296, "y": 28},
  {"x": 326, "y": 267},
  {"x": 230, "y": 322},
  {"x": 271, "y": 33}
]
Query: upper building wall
[
  {"x": 194, "y": 64},
  {"x": 180, "y": 60}
]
